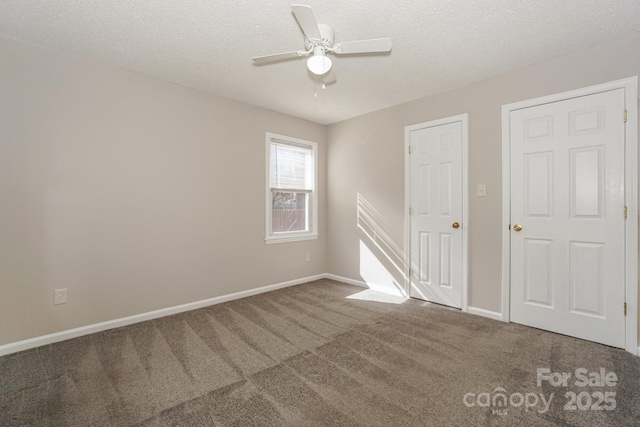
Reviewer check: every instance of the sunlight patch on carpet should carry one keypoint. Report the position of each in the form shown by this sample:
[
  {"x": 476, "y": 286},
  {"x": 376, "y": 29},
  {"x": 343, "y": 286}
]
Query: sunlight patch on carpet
[{"x": 375, "y": 296}]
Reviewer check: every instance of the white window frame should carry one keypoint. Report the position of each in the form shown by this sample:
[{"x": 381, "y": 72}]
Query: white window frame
[{"x": 293, "y": 236}]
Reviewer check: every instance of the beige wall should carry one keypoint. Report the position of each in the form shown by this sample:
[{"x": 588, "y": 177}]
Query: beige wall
[
  {"x": 137, "y": 194},
  {"x": 366, "y": 157},
  {"x": 133, "y": 193}
]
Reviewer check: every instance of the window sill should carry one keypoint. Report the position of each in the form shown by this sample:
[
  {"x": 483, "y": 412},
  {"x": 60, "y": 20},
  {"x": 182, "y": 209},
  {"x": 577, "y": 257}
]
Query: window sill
[{"x": 290, "y": 238}]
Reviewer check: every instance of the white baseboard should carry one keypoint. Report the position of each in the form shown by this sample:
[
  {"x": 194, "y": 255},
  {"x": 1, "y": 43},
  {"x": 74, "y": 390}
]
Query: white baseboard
[
  {"x": 484, "y": 313},
  {"x": 124, "y": 321},
  {"x": 116, "y": 323}
]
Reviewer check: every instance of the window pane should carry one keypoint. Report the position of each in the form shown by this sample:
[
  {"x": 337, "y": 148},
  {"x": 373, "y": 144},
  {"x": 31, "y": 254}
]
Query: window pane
[
  {"x": 291, "y": 167},
  {"x": 291, "y": 198},
  {"x": 290, "y": 212}
]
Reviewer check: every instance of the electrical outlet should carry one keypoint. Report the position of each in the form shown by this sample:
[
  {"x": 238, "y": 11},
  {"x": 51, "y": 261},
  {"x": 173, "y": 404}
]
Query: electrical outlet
[
  {"x": 308, "y": 257},
  {"x": 60, "y": 296}
]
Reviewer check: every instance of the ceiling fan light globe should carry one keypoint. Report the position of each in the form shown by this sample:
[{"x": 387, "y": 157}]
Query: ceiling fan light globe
[{"x": 319, "y": 64}]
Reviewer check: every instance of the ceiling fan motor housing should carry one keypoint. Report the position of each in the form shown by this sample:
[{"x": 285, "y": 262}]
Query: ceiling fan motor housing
[{"x": 328, "y": 36}]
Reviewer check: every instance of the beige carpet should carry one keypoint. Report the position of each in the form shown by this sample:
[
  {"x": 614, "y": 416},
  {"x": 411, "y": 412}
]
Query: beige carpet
[{"x": 318, "y": 354}]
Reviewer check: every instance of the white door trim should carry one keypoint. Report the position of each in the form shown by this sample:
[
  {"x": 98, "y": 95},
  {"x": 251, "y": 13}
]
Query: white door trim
[
  {"x": 630, "y": 85},
  {"x": 464, "y": 120}
]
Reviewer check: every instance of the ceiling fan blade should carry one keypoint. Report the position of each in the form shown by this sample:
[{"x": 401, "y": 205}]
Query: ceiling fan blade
[
  {"x": 308, "y": 23},
  {"x": 330, "y": 77},
  {"x": 277, "y": 57},
  {"x": 363, "y": 46}
]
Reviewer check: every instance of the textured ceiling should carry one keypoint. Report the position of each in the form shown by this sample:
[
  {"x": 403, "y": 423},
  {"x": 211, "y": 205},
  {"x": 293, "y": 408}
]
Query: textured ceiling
[{"x": 208, "y": 44}]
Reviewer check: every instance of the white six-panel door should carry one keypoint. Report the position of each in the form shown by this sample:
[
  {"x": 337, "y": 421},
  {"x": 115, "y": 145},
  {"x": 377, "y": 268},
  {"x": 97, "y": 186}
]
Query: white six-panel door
[
  {"x": 436, "y": 200},
  {"x": 567, "y": 217}
]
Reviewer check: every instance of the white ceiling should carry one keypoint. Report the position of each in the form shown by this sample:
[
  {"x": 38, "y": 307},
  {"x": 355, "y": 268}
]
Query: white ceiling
[{"x": 208, "y": 44}]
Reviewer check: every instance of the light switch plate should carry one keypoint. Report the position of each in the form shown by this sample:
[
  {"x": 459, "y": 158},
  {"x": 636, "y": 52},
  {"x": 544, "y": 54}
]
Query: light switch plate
[{"x": 482, "y": 190}]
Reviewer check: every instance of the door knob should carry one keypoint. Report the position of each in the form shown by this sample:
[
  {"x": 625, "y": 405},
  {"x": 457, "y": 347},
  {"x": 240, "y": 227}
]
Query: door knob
[
  {"x": 517, "y": 227},
  {"x": 455, "y": 225}
]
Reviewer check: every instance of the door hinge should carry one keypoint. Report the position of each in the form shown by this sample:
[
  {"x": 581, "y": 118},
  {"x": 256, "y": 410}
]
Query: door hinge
[
  {"x": 410, "y": 146},
  {"x": 625, "y": 115},
  {"x": 410, "y": 211},
  {"x": 625, "y": 308},
  {"x": 625, "y": 212}
]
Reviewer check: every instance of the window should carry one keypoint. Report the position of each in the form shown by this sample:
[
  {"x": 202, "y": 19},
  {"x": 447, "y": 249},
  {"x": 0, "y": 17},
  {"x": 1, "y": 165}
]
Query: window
[{"x": 291, "y": 197}]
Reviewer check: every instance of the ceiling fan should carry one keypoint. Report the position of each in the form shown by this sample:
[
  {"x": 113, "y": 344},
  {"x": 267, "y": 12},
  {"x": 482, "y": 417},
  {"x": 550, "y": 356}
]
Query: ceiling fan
[{"x": 319, "y": 41}]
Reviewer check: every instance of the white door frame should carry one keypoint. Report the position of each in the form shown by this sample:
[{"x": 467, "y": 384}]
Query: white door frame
[
  {"x": 630, "y": 85},
  {"x": 464, "y": 120}
]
